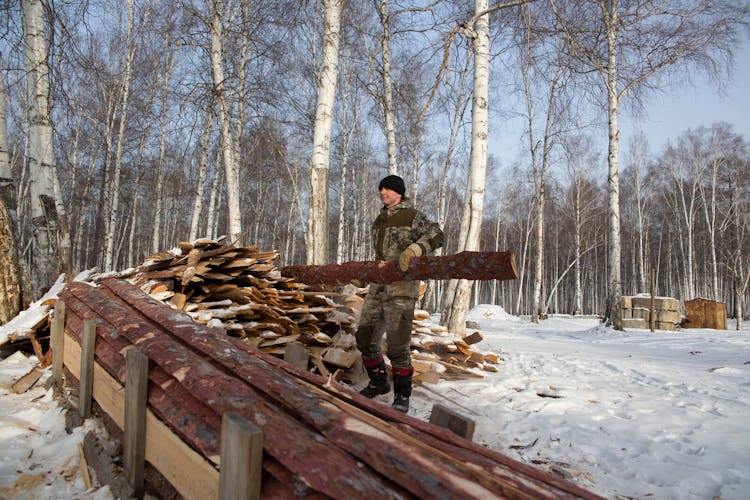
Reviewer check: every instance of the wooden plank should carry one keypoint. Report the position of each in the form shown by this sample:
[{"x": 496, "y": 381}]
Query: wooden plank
[
  {"x": 241, "y": 459},
  {"x": 372, "y": 441},
  {"x": 453, "y": 421},
  {"x": 24, "y": 383},
  {"x": 190, "y": 474},
  {"x": 297, "y": 355},
  {"x": 136, "y": 386},
  {"x": 58, "y": 343},
  {"x": 297, "y": 447},
  {"x": 85, "y": 391}
]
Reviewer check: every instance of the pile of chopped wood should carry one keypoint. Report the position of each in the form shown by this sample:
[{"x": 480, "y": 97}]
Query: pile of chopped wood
[{"x": 240, "y": 290}]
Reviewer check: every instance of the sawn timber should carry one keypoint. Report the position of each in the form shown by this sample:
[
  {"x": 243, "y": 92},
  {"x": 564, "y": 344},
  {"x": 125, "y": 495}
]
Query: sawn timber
[
  {"x": 320, "y": 439},
  {"x": 463, "y": 265}
]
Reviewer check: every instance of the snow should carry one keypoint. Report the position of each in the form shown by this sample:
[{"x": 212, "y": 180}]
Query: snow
[
  {"x": 623, "y": 414},
  {"x": 39, "y": 459}
]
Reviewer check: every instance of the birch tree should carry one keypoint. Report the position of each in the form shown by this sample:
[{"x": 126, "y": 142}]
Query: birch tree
[
  {"x": 161, "y": 165},
  {"x": 202, "y": 173},
  {"x": 10, "y": 275},
  {"x": 113, "y": 188},
  {"x": 534, "y": 75},
  {"x": 317, "y": 251},
  {"x": 458, "y": 293},
  {"x": 738, "y": 228},
  {"x": 48, "y": 247},
  {"x": 636, "y": 175},
  {"x": 630, "y": 45},
  {"x": 231, "y": 167},
  {"x": 721, "y": 144}
]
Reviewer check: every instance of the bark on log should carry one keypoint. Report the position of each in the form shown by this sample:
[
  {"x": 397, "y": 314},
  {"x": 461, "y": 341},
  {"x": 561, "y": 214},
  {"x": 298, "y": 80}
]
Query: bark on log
[
  {"x": 316, "y": 433},
  {"x": 464, "y": 265}
]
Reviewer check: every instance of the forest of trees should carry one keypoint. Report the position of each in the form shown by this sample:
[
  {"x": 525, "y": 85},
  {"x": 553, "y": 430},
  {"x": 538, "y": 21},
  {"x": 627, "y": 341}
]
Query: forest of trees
[{"x": 174, "y": 120}]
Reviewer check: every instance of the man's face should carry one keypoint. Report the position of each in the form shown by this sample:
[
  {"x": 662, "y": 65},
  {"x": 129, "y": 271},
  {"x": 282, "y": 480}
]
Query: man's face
[{"x": 389, "y": 198}]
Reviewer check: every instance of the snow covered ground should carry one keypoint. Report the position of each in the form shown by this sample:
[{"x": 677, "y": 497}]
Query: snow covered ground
[
  {"x": 628, "y": 414},
  {"x": 623, "y": 414}
]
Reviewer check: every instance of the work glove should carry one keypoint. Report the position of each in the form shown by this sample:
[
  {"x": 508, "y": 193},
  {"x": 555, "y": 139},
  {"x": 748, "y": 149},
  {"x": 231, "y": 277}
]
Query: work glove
[{"x": 413, "y": 250}]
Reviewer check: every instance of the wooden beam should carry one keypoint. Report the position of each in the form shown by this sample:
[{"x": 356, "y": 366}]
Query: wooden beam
[
  {"x": 58, "y": 343},
  {"x": 451, "y": 420},
  {"x": 136, "y": 386},
  {"x": 85, "y": 391},
  {"x": 191, "y": 475},
  {"x": 241, "y": 459}
]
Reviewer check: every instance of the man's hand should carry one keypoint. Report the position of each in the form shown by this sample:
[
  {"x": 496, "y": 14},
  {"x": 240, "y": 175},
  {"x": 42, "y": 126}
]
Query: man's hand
[{"x": 413, "y": 250}]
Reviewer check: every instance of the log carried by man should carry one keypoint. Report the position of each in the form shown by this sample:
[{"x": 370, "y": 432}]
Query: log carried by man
[{"x": 463, "y": 265}]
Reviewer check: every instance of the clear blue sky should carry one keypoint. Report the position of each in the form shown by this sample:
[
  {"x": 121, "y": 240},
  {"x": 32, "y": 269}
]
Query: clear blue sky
[
  {"x": 668, "y": 115},
  {"x": 700, "y": 104}
]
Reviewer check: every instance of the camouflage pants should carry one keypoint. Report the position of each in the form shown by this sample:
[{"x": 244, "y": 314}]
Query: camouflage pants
[{"x": 389, "y": 309}]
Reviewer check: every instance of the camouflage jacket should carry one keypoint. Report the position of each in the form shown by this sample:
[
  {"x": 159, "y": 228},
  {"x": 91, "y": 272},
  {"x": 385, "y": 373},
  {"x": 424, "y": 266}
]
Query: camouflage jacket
[{"x": 398, "y": 227}]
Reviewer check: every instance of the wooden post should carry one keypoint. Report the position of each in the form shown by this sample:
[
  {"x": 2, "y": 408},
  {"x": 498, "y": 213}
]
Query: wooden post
[
  {"x": 136, "y": 385},
  {"x": 451, "y": 420},
  {"x": 58, "y": 343},
  {"x": 86, "y": 389},
  {"x": 297, "y": 355},
  {"x": 241, "y": 459},
  {"x": 652, "y": 312}
]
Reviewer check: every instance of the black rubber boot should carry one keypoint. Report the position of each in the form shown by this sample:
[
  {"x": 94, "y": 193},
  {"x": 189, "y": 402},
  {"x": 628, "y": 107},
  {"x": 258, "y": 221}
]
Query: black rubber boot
[
  {"x": 378, "y": 378},
  {"x": 402, "y": 388}
]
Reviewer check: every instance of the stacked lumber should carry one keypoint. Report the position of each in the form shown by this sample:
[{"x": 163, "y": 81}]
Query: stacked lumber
[
  {"x": 705, "y": 313},
  {"x": 636, "y": 312},
  {"x": 319, "y": 439}
]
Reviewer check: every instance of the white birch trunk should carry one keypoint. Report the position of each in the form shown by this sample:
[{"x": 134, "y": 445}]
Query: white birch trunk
[
  {"x": 613, "y": 184},
  {"x": 113, "y": 188},
  {"x": 317, "y": 250},
  {"x": 231, "y": 170},
  {"x": 342, "y": 242},
  {"x": 46, "y": 210},
  {"x": 577, "y": 272},
  {"x": 390, "y": 129},
  {"x": 457, "y": 306},
  {"x": 202, "y": 171},
  {"x": 213, "y": 202}
]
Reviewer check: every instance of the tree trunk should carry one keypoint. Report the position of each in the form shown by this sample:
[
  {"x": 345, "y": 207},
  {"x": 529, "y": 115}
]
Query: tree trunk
[
  {"x": 202, "y": 170},
  {"x": 10, "y": 275},
  {"x": 317, "y": 252},
  {"x": 457, "y": 305},
  {"x": 227, "y": 139},
  {"x": 113, "y": 187},
  {"x": 156, "y": 240},
  {"x": 46, "y": 210},
  {"x": 614, "y": 280},
  {"x": 390, "y": 129}
]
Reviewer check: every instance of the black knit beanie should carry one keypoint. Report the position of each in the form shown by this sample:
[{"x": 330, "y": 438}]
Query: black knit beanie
[{"x": 394, "y": 183}]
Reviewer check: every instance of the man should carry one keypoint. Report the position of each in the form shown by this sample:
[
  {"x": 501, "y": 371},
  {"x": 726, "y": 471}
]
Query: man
[{"x": 400, "y": 233}]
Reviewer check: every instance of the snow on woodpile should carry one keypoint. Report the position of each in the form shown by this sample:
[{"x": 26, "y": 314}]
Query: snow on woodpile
[{"x": 241, "y": 291}]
